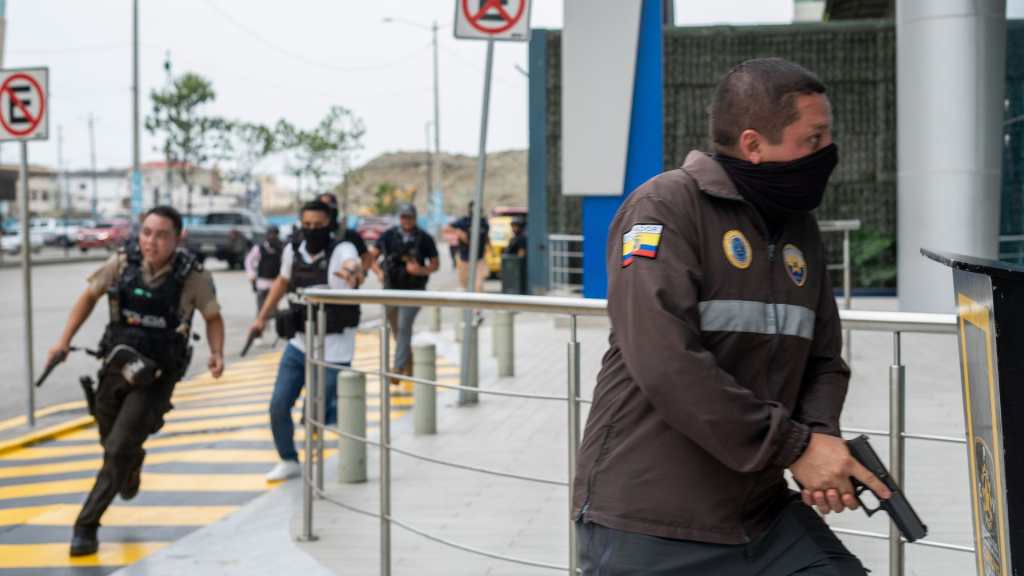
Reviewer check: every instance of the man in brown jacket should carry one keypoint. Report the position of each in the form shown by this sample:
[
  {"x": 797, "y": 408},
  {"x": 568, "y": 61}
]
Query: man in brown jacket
[{"x": 724, "y": 364}]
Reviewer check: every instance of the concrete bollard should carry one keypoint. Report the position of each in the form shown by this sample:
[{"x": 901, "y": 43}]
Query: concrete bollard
[
  {"x": 424, "y": 410},
  {"x": 504, "y": 343},
  {"x": 351, "y": 420}
]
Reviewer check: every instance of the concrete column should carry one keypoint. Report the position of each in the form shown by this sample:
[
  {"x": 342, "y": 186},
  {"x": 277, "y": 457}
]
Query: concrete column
[
  {"x": 352, "y": 420},
  {"x": 424, "y": 409},
  {"x": 504, "y": 343},
  {"x": 951, "y": 69}
]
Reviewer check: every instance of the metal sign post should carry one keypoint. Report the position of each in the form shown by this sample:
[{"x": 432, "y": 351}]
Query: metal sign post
[
  {"x": 24, "y": 116},
  {"x": 483, "y": 20}
]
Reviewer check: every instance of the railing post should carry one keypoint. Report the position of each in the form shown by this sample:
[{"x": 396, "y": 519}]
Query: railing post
[
  {"x": 352, "y": 420},
  {"x": 504, "y": 342},
  {"x": 897, "y": 425},
  {"x": 574, "y": 429},
  {"x": 424, "y": 409},
  {"x": 385, "y": 455},
  {"x": 321, "y": 392},
  {"x": 847, "y": 293},
  {"x": 469, "y": 372},
  {"x": 307, "y": 470},
  {"x": 435, "y": 319}
]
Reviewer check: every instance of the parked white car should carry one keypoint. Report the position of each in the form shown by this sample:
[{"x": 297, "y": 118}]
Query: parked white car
[{"x": 11, "y": 243}]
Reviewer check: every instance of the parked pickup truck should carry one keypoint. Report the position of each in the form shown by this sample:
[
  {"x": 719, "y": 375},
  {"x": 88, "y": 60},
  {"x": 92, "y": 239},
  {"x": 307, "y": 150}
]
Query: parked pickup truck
[{"x": 226, "y": 235}]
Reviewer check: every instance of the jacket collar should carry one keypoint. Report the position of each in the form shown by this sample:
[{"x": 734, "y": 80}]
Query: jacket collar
[{"x": 710, "y": 176}]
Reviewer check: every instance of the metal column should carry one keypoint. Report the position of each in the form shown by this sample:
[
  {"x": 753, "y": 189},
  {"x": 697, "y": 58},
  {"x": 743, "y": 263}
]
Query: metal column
[
  {"x": 26, "y": 286},
  {"x": 951, "y": 73},
  {"x": 574, "y": 427},
  {"x": 897, "y": 427}
]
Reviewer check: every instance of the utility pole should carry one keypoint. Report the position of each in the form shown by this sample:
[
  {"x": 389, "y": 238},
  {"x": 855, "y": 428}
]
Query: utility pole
[
  {"x": 92, "y": 160},
  {"x": 169, "y": 182},
  {"x": 436, "y": 194},
  {"x": 430, "y": 172},
  {"x": 136, "y": 192}
]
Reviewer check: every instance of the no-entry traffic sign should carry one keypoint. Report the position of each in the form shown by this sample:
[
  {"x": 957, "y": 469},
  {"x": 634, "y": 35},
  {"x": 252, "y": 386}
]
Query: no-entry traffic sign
[
  {"x": 492, "y": 19},
  {"x": 24, "y": 107}
]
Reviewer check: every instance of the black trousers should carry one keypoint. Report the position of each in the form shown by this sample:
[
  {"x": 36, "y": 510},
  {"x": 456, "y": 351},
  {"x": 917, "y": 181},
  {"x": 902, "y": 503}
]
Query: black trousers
[
  {"x": 126, "y": 415},
  {"x": 799, "y": 543}
]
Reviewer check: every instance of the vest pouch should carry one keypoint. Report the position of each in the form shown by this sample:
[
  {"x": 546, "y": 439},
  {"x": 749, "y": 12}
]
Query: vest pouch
[
  {"x": 284, "y": 324},
  {"x": 134, "y": 368}
]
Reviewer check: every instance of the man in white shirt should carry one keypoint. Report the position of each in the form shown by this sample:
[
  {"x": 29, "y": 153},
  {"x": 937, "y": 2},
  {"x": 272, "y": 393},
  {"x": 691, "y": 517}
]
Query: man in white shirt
[{"x": 316, "y": 261}]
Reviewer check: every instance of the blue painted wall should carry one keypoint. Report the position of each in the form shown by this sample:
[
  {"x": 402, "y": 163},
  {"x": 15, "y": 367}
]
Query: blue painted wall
[
  {"x": 537, "y": 201},
  {"x": 644, "y": 159}
]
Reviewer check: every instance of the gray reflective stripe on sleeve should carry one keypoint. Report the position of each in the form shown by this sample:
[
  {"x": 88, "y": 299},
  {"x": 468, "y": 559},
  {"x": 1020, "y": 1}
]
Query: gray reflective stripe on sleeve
[{"x": 756, "y": 318}]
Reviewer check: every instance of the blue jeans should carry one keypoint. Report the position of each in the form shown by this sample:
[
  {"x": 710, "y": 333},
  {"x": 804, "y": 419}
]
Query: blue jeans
[{"x": 291, "y": 377}]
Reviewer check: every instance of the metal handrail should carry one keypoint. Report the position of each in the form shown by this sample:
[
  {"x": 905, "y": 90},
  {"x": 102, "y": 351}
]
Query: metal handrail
[
  {"x": 436, "y": 384},
  {"x": 893, "y": 322},
  {"x": 463, "y": 300}
]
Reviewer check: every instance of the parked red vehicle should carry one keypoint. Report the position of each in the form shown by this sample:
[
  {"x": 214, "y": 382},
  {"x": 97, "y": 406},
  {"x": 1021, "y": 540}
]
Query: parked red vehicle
[
  {"x": 371, "y": 227},
  {"x": 110, "y": 235}
]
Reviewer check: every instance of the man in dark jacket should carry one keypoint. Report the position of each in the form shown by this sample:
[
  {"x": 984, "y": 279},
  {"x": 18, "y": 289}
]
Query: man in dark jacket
[{"x": 724, "y": 364}]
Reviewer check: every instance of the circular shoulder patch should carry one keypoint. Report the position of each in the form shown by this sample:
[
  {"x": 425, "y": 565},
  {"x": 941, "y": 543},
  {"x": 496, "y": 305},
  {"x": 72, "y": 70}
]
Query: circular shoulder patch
[
  {"x": 737, "y": 249},
  {"x": 796, "y": 265}
]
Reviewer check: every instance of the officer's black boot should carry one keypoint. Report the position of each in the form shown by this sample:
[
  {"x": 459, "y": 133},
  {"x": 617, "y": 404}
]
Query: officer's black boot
[{"x": 84, "y": 541}]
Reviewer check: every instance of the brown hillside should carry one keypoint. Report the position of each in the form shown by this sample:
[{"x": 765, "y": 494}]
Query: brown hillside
[{"x": 505, "y": 183}]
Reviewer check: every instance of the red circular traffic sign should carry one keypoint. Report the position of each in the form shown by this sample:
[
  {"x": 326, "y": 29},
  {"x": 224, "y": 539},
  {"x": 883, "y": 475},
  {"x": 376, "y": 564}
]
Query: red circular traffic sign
[
  {"x": 33, "y": 123},
  {"x": 508, "y": 20}
]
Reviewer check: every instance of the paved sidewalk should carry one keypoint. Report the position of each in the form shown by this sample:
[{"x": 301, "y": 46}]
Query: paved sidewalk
[{"x": 530, "y": 521}]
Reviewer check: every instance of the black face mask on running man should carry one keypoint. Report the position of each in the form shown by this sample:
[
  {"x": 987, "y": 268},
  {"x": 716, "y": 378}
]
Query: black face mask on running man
[
  {"x": 781, "y": 189},
  {"x": 316, "y": 239}
]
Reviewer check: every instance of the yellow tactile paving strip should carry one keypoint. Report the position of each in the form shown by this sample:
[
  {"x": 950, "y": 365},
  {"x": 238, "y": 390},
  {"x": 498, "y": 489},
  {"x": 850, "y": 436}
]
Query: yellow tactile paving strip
[{"x": 216, "y": 444}]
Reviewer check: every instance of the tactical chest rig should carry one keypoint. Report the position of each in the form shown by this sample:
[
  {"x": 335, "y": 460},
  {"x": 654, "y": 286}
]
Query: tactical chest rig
[
  {"x": 148, "y": 319},
  {"x": 306, "y": 274}
]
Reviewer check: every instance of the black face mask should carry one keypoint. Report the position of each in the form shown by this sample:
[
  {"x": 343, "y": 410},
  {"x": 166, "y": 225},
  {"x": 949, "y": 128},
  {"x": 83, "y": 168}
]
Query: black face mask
[
  {"x": 316, "y": 239},
  {"x": 781, "y": 189}
]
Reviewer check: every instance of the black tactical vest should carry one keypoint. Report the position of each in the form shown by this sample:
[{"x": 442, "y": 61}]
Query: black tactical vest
[
  {"x": 270, "y": 260},
  {"x": 149, "y": 318},
  {"x": 306, "y": 274}
]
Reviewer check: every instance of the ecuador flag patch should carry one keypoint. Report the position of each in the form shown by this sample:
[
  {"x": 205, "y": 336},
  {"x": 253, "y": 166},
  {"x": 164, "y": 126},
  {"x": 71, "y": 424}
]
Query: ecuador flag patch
[{"x": 641, "y": 241}]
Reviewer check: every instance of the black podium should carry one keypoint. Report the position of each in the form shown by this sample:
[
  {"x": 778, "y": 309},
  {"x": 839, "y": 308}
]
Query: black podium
[{"x": 990, "y": 309}]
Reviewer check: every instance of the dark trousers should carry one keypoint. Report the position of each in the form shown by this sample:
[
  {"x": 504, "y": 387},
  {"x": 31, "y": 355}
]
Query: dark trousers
[
  {"x": 799, "y": 543},
  {"x": 126, "y": 415},
  {"x": 261, "y": 297}
]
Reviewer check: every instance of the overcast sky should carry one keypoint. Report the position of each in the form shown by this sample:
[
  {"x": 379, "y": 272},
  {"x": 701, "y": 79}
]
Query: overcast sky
[{"x": 273, "y": 59}]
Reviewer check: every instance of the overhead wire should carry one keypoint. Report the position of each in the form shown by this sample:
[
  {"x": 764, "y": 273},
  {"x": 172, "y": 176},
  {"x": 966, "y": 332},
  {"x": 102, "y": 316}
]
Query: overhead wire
[{"x": 306, "y": 59}]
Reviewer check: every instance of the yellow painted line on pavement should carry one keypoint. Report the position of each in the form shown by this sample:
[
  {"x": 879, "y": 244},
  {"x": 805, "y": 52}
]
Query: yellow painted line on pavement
[
  {"x": 204, "y": 456},
  {"x": 59, "y": 450},
  {"x": 192, "y": 398},
  {"x": 50, "y": 433},
  {"x": 229, "y": 410},
  {"x": 116, "y": 515},
  {"x": 151, "y": 482},
  {"x": 21, "y": 420},
  {"x": 56, "y": 555},
  {"x": 193, "y": 392}
]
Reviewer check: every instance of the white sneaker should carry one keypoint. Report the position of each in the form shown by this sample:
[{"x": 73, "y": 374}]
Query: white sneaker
[{"x": 284, "y": 470}]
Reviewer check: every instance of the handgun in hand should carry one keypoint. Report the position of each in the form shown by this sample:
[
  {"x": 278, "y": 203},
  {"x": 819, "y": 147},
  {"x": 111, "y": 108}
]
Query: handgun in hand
[{"x": 896, "y": 506}]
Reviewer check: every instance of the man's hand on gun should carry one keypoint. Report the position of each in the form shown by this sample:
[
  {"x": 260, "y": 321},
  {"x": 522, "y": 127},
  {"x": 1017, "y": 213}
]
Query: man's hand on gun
[{"x": 824, "y": 472}]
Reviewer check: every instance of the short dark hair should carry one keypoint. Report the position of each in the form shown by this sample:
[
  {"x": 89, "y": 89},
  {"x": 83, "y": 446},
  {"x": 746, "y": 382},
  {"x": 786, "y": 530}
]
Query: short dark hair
[
  {"x": 332, "y": 199},
  {"x": 315, "y": 206},
  {"x": 759, "y": 94},
  {"x": 168, "y": 212}
]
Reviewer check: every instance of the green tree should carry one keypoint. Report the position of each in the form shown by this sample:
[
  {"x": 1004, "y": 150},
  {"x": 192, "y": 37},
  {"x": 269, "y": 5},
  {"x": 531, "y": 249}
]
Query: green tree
[
  {"x": 324, "y": 153},
  {"x": 192, "y": 138},
  {"x": 384, "y": 197},
  {"x": 246, "y": 145}
]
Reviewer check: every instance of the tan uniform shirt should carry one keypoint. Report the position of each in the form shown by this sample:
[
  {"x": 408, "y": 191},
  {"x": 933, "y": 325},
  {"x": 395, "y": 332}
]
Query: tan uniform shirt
[{"x": 198, "y": 293}]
